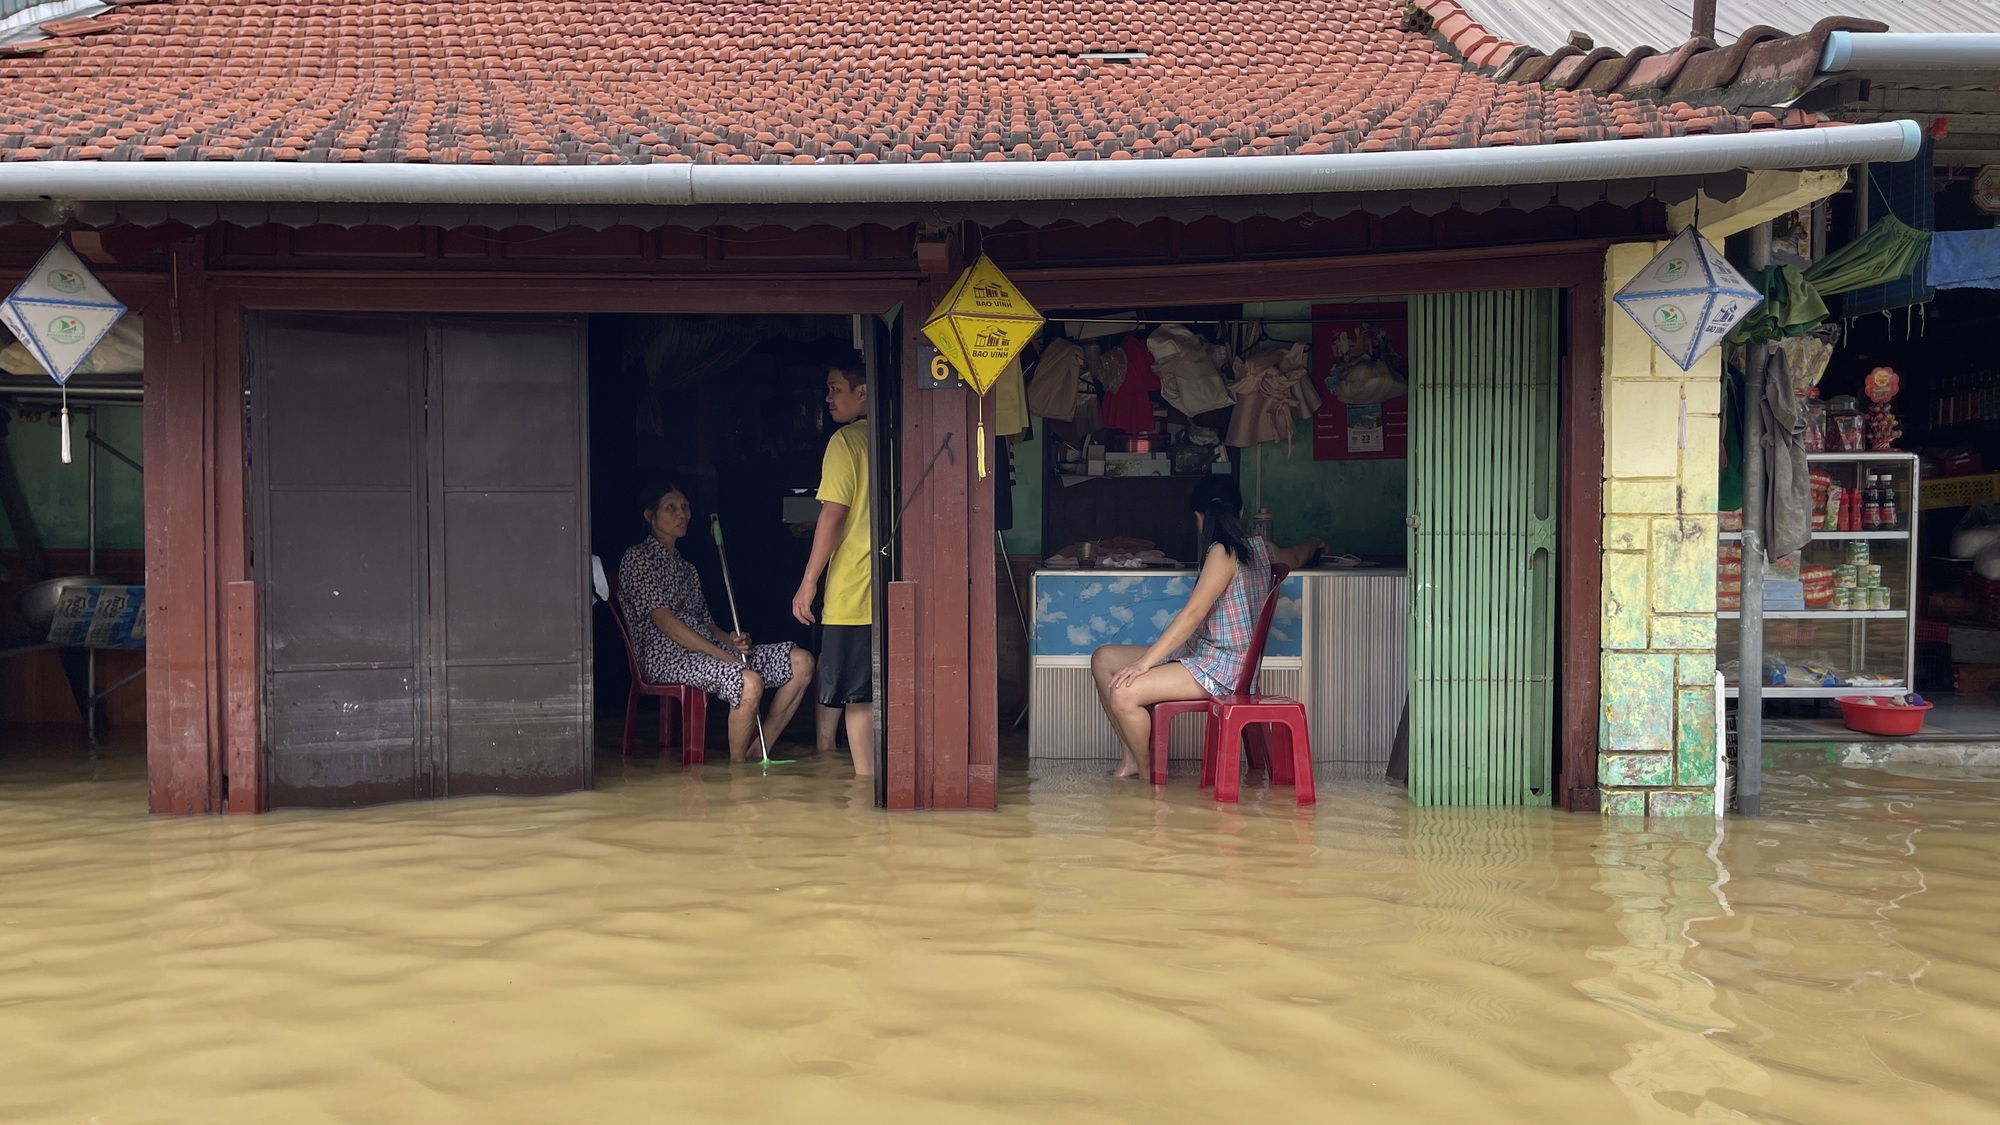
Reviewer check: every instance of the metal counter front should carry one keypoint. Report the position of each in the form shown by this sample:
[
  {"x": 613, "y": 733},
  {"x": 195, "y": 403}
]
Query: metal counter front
[{"x": 1338, "y": 644}]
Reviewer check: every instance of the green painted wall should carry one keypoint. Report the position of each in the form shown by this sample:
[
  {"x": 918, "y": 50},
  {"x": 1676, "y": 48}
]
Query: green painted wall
[
  {"x": 1026, "y": 538},
  {"x": 57, "y": 493},
  {"x": 1356, "y": 506}
]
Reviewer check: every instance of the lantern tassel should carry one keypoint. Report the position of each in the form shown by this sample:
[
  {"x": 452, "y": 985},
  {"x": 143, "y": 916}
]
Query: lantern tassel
[
  {"x": 65, "y": 427},
  {"x": 980, "y": 436}
]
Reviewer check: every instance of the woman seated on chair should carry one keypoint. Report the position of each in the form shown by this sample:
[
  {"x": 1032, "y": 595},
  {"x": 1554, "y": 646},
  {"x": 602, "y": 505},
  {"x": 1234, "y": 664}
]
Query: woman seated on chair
[
  {"x": 1205, "y": 648},
  {"x": 659, "y": 593}
]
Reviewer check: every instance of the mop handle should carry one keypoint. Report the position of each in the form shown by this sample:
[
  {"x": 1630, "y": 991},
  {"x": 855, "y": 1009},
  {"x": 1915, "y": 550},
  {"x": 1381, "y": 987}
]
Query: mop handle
[
  {"x": 728, "y": 587},
  {"x": 735, "y": 620}
]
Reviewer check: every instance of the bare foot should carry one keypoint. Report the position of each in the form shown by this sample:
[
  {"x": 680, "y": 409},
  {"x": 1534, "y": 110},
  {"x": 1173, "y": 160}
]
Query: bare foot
[{"x": 1127, "y": 768}]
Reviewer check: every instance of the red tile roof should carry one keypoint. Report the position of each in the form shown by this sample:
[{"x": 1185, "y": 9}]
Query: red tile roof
[{"x": 626, "y": 81}]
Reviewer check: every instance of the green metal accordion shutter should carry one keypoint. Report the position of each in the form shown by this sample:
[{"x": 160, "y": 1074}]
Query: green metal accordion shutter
[{"x": 1482, "y": 540}]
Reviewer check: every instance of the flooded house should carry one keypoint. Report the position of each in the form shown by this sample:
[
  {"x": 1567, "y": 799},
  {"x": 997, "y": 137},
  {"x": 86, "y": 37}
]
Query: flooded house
[{"x": 426, "y": 289}]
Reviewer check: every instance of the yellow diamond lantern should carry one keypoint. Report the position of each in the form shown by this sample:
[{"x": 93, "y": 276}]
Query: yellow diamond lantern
[{"x": 982, "y": 324}]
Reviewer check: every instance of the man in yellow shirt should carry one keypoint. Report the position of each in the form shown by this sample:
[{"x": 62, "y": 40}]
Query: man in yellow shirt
[{"x": 842, "y": 549}]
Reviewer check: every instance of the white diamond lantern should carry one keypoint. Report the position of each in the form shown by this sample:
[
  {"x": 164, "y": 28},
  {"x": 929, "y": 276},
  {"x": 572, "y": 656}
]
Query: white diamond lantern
[
  {"x": 1688, "y": 298},
  {"x": 60, "y": 311}
]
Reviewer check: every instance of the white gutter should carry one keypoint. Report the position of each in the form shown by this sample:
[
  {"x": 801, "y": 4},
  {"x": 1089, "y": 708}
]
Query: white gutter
[
  {"x": 1894, "y": 51},
  {"x": 978, "y": 182}
]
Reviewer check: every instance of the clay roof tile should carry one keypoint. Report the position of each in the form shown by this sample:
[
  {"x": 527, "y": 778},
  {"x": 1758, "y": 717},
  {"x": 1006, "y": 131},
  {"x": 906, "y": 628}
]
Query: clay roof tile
[{"x": 618, "y": 81}]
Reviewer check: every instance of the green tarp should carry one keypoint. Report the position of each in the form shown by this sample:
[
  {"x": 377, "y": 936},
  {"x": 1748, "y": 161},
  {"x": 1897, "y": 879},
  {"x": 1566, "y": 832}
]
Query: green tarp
[{"x": 1794, "y": 302}]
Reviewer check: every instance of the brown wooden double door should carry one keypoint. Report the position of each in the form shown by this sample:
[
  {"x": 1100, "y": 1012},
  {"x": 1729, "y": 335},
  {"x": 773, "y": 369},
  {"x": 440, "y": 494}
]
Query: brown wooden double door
[{"x": 420, "y": 496}]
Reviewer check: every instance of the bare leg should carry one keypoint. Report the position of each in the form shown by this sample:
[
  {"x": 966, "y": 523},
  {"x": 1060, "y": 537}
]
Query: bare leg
[
  {"x": 743, "y": 716},
  {"x": 861, "y": 737},
  {"x": 1131, "y": 719},
  {"x": 826, "y": 728},
  {"x": 1104, "y": 664},
  {"x": 786, "y": 702}
]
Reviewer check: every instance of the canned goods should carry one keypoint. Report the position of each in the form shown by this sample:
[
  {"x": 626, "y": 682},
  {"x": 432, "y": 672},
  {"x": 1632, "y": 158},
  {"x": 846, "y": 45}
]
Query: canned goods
[
  {"x": 1871, "y": 575},
  {"x": 1843, "y": 598},
  {"x": 1846, "y": 578},
  {"x": 1857, "y": 552},
  {"x": 1878, "y": 597}
]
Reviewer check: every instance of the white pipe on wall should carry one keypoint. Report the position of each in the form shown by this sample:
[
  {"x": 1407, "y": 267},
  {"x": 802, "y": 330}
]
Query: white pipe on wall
[{"x": 985, "y": 181}]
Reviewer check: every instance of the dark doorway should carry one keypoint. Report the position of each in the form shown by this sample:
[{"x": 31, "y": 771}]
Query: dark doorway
[
  {"x": 419, "y": 536},
  {"x": 731, "y": 408}
]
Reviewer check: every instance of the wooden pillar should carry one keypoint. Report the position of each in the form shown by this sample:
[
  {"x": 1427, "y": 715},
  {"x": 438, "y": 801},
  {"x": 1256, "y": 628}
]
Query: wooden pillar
[
  {"x": 194, "y": 538},
  {"x": 905, "y": 659},
  {"x": 949, "y": 567},
  {"x": 1582, "y": 547},
  {"x": 243, "y": 750}
]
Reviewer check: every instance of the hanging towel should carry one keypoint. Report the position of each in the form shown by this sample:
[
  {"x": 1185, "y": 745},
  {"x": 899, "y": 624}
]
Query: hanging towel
[
  {"x": 1273, "y": 394},
  {"x": 1130, "y": 408},
  {"x": 1965, "y": 259}
]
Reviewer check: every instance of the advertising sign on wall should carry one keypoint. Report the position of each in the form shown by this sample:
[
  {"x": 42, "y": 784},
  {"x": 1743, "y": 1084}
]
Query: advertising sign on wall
[{"x": 1360, "y": 359}]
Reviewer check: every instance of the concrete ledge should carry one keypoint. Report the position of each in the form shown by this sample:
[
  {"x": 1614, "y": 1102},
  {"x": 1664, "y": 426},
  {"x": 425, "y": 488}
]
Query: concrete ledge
[{"x": 1963, "y": 755}]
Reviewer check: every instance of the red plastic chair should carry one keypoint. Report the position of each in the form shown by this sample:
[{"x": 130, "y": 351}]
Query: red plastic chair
[
  {"x": 1231, "y": 716},
  {"x": 691, "y": 702},
  {"x": 1165, "y": 713}
]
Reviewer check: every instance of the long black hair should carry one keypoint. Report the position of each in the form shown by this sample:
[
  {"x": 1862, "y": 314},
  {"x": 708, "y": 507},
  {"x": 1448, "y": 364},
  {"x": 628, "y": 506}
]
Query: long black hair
[{"x": 1220, "y": 504}]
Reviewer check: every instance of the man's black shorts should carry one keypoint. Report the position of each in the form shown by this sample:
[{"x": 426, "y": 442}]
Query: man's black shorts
[{"x": 846, "y": 665}]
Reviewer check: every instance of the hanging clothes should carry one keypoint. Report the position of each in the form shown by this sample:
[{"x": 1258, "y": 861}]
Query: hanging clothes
[
  {"x": 1787, "y": 478},
  {"x": 1189, "y": 379},
  {"x": 1010, "y": 402},
  {"x": 1130, "y": 408},
  {"x": 1003, "y": 490},
  {"x": 1791, "y": 307},
  {"x": 1729, "y": 475},
  {"x": 1053, "y": 392},
  {"x": 1109, "y": 368},
  {"x": 1274, "y": 392}
]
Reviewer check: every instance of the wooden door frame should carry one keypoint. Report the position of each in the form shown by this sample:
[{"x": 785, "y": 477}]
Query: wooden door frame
[
  {"x": 205, "y": 745},
  {"x": 196, "y": 534}
]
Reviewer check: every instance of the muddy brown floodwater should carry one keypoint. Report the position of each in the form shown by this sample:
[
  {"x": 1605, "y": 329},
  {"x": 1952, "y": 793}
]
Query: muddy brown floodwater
[{"x": 723, "y": 945}]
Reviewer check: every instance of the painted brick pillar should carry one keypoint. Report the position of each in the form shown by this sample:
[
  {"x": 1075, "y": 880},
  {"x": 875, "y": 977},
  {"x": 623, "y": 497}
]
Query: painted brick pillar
[{"x": 1662, "y": 427}]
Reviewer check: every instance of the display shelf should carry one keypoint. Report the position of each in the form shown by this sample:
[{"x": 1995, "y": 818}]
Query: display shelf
[
  {"x": 1731, "y": 691},
  {"x": 1820, "y": 615},
  {"x": 1876, "y": 643}
]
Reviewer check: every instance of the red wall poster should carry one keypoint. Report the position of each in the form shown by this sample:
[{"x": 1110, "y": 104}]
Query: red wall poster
[{"x": 1360, "y": 360}]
